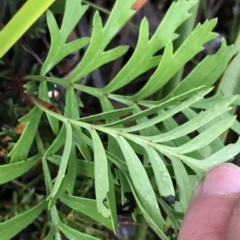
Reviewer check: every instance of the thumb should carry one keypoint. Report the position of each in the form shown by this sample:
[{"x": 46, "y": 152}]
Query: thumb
[{"x": 214, "y": 211}]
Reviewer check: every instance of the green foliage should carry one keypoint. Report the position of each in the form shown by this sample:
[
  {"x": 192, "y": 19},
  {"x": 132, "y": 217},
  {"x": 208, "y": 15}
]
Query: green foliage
[
  {"x": 141, "y": 148},
  {"x": 10, "y": 228},
  {"x": 26, "y": 16}
]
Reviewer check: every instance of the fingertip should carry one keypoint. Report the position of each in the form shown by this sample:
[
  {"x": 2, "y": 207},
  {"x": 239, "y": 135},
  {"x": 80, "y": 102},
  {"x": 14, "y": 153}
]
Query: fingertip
[
  {"x": 222, "y": 179},
  {"x": 211, "y": 208}
]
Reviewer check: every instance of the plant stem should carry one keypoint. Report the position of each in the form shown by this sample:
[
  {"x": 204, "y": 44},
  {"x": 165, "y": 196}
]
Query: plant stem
[
  {"x": 141, "y": 229},
  {"x": 21, "y": 22},
  {"x": 235, "y": 24}
]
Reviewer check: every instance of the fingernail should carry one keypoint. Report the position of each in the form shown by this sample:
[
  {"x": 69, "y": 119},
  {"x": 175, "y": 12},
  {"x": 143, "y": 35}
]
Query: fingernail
[{"x": 223, "y": 179}]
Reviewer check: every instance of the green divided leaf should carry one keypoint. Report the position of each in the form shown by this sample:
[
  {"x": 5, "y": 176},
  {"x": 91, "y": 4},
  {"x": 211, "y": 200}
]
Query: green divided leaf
[
  {"x": 164, "y": 115},
  {"x": 207, "y": 136},
  {"x": 214, "y": 146},
  {"x": 150, "y": 219},
  {"x": 12, "y": 227},
  {"x": 175, "y": 222},
  {"x": 82, "y": 146},
  {"x": 162, "y": 176},
  {"x": 58, "y": 49},
  {"x": 183, "y": 182},
  {"x": 74, "y": 11},
  {"x": 57, "y": 143},
  {"x": 73, "y": 234},
  {"x": 106, "y": 115},
  {"x": 96, "y": 51},
  {"x": 65, "y": 159},
  {"x": 11, "y": 171},
  {"x": 101, "y": 173},
  {"x": 143, "y": 57},
  {"x": 151, "y": 109},
  {"x": 140, "y": 181},
  {"x": 171, "y": 62},
  {"x": 223, "y": 155},
  {"x": 196, "y": 122},
  {"x": 87, "y": 207},
  {"x": 71, "y": 175},
  {"x": 207, "y": 72},
  {"x": 111, "y": 200},
  {"x": 22, "y": 147},
  {"x": 151, "y": 146},
  {"x": 71, "y": 109}
]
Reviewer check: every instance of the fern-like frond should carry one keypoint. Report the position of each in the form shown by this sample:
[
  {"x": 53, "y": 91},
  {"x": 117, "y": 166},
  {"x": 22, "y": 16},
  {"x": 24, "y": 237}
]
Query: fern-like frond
[{"x": 141, "y": 148}]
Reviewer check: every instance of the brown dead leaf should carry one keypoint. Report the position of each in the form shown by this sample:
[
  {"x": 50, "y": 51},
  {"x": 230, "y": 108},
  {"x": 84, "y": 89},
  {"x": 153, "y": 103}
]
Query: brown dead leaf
[
  {"x": 138, "y": 4},
  {"x": 47, "y": 105},
  {"x": 20, "y": 127}
]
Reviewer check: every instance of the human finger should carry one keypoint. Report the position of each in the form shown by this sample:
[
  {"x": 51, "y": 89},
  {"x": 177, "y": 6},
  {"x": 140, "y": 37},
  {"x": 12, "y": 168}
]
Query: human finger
[{"x": 215, "y": 206}]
